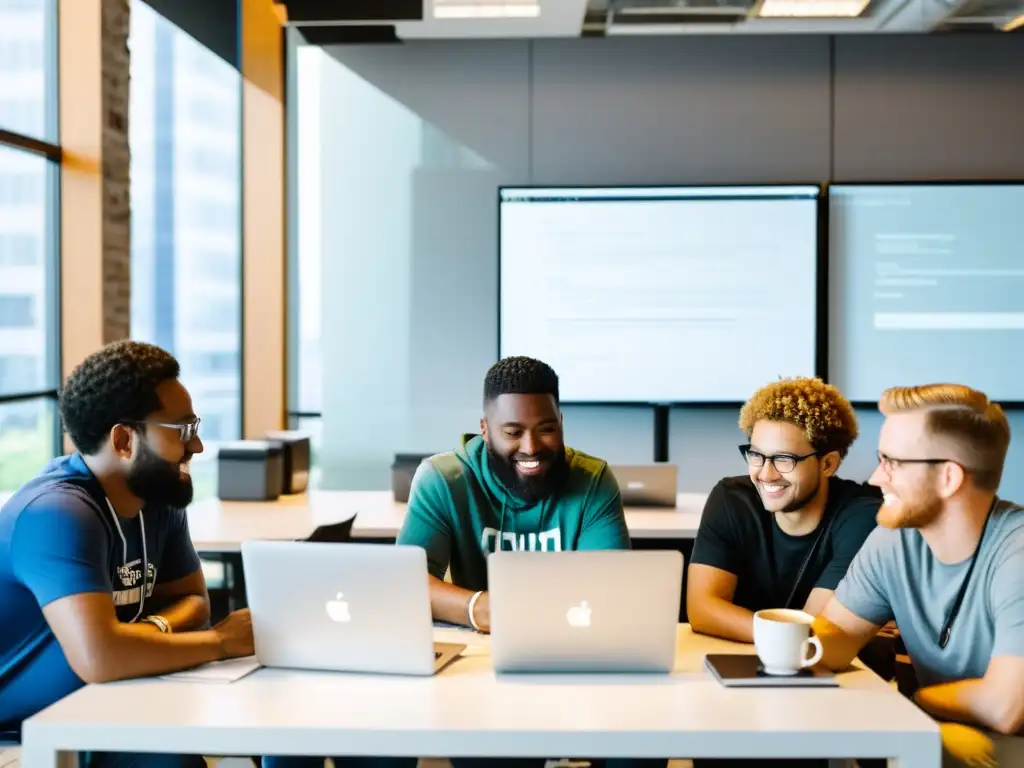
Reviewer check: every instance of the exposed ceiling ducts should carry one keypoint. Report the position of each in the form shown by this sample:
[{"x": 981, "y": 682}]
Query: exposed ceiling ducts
[
  {"x": 974, "y": 15},
  {"x": 349, "y": 21}
]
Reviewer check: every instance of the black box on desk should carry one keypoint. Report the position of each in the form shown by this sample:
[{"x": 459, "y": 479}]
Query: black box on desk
[
  {"x": 295, "y": 459},
  {"x": 250, "y": 470},
  {"x": 402, "y": 472}
]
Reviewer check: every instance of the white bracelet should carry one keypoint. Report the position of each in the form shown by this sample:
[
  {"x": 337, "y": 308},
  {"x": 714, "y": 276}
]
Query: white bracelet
[
  {"x": 159, "y": 622},
  {"x": 469, "y": 611}
]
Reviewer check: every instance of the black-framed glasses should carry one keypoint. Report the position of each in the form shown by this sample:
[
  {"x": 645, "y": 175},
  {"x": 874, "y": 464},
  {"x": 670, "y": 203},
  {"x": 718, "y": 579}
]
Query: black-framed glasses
[
  {"x": 186, "y": 431},
  {"x": 783, "y": 462},
  {"x": 889, "y": 463}
]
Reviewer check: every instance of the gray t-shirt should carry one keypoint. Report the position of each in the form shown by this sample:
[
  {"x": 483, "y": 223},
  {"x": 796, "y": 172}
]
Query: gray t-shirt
[{"x": 896, "y": 576}]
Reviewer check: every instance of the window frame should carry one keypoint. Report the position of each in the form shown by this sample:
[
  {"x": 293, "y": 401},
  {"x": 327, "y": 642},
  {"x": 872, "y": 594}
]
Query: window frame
[{"x": 53, "y": 154}]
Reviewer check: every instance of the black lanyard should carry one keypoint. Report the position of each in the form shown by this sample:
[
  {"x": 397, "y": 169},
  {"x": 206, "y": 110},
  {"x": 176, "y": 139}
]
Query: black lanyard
[
  {"x": 825, "y": 524},
  {"x": 947, "y": 628}
]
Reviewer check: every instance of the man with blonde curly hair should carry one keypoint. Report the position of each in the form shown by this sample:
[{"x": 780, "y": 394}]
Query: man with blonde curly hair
[
  {"x": 946, "y": 562},
  {"x": 783, "y": 535}
]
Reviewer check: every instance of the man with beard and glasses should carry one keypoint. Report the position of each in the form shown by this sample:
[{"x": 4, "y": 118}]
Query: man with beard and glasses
[
  {"x": 783, "y": 535},
  {"x": 947, "y": 563},
  {"x": 516, "y": 486},
  {"x": 99, "y": 580}
]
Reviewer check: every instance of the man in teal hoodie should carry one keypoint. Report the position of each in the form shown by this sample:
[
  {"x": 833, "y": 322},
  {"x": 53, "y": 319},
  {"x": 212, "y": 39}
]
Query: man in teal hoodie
[{"x": 516, "y": 486}]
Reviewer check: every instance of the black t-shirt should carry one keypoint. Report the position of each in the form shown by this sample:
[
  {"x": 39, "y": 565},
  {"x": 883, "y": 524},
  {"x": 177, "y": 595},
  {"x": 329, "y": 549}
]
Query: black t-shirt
[{"x": 737, "y": 534}]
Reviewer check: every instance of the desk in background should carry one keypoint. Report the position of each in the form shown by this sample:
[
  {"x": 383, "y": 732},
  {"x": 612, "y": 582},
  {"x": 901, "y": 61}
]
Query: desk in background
[
  {"x": 221, "y": 526},
  {"x": 467, "y": 710},
  {"x": 218, "y": 528}
]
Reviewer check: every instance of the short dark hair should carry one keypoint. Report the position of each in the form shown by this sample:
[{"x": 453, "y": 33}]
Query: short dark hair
[
  {"x": 520, "y": 376},
  {"x": 113, "y": 386}
]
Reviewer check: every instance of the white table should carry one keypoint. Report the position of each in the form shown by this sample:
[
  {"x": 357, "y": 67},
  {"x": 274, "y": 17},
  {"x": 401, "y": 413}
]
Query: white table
[
  {"x": 467, "y": 710},
  {"x": 221, "y": 526}
]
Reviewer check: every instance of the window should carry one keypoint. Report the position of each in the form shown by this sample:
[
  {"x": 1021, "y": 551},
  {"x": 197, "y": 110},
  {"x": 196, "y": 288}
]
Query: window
[
  {"x": 28, "y": 273},
  {"x": 186, "y": 214},
  {"x": 17, "y": 311},
  {"x": 29, "y": 221},
  {"x": 28, "y": 430},
  {"x": 19, "y": 373},
  {"x": 20, "y": 249},
  {"x": 28, "y": 103},
  {"x": 215, "y": 363}
]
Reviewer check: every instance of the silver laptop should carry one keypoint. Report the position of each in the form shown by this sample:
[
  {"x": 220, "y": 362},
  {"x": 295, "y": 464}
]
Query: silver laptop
[
  {"x": 593, "y": 611},
  {"x": 343, "y": 607},
  {"x": 647, "y": 485}
]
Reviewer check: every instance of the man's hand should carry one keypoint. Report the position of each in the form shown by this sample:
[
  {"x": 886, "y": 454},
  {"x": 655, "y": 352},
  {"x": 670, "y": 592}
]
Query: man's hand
[
  {"x": 709, "y": 594},
  {"x": 843, "y": 634},
  {"x": 482, "y": 612},
  {"x": 99, "y": 648},
  {"x": 451, "y": 604},
  {"x": 968, "y": 745},
  {"x": 183, "y": 603},
  {"x": 235, "y": 634},
  {"x": 995, "y": 701}
]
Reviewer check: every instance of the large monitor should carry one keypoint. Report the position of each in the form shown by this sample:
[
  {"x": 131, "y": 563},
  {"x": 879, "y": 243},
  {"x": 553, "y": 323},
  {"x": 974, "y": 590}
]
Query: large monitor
[
  {"x": 926, "y": 286},
  {"x": 661, "y": 294}
]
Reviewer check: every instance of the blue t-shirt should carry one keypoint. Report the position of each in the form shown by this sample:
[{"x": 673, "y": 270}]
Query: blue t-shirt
[{"x": 58, "y": 538}]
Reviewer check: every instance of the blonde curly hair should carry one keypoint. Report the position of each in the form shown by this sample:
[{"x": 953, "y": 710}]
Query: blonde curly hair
[{"x": 819, "y": 409}]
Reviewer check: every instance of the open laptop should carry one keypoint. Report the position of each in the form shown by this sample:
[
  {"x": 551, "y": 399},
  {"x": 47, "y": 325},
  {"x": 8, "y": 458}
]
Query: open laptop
[
  {"x": 342, "y": 607},
  {"x": 591, "y": 611},
  {"x": 647, "y": 485}
]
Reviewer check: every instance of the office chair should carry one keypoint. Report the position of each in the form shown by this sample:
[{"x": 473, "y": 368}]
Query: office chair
[{"x": 335, "y": 533}]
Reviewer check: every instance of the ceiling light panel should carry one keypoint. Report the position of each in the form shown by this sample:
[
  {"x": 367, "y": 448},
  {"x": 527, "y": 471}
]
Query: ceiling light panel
[
  {"x": 486, "y": 9},
  {"x": 812, "y": 9}
]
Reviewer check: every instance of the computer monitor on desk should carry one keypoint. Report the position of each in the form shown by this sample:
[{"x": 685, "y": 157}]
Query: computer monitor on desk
[
  {"x": 647, "y": 485},
  {"x": 580, "y": 612}
]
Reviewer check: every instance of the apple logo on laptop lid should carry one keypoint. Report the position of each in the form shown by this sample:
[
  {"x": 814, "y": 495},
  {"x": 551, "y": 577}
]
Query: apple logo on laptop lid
[
  {"x": 579, "y": 615},
  {"x": 337, "y": 609}
]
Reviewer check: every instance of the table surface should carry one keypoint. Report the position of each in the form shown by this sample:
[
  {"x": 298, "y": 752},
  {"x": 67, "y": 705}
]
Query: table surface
[
  {"x": 221, "y": 526},
  {"x": 467, "y": 710}
]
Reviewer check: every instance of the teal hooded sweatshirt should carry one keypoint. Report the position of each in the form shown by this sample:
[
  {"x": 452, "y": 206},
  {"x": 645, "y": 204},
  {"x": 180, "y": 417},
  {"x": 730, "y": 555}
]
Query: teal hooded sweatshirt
[{"x": 459, "y": 512}]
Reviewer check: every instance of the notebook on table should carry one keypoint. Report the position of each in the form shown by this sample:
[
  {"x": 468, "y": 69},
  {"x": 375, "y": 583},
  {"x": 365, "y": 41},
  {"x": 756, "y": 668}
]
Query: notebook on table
[{"x": 743, "y": 670}]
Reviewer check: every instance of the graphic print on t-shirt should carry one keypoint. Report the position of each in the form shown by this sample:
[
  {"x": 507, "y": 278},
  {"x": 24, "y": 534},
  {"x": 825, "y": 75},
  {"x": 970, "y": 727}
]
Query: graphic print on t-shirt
[
  {"x": 546, "y": 541},
  {"x": 128, "y": 590}
]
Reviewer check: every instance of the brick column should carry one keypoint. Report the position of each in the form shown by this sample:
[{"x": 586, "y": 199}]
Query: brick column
[{"x": 116, "y": 162}]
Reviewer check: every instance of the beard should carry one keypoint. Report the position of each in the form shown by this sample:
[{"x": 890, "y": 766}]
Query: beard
[
  {"x": 799, "y": 502},
  {"x": 158, "y": 481},
  {"x": 909, "y": 514},
  {"x": 534, "y": 488}
]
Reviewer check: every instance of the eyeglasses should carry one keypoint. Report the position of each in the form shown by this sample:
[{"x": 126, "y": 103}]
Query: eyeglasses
[
  {"x": 889, "y": 463},
  {"x": 187, "y": 431},
  {"x": 783, "y": 462}
]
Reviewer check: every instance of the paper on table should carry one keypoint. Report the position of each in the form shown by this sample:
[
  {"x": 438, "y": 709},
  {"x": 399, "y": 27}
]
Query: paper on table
[{"x": 227, "y": 671}]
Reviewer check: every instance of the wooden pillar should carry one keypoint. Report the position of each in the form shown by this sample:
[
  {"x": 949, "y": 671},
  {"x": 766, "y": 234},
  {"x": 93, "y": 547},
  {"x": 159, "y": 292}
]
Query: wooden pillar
[
  {"x": 263, "y": 216},
  {"x": 95, "y": 238}
]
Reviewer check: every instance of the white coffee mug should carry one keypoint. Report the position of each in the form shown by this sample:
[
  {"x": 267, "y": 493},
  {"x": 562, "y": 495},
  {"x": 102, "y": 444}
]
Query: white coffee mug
[{"x": 782, "y": 637}]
